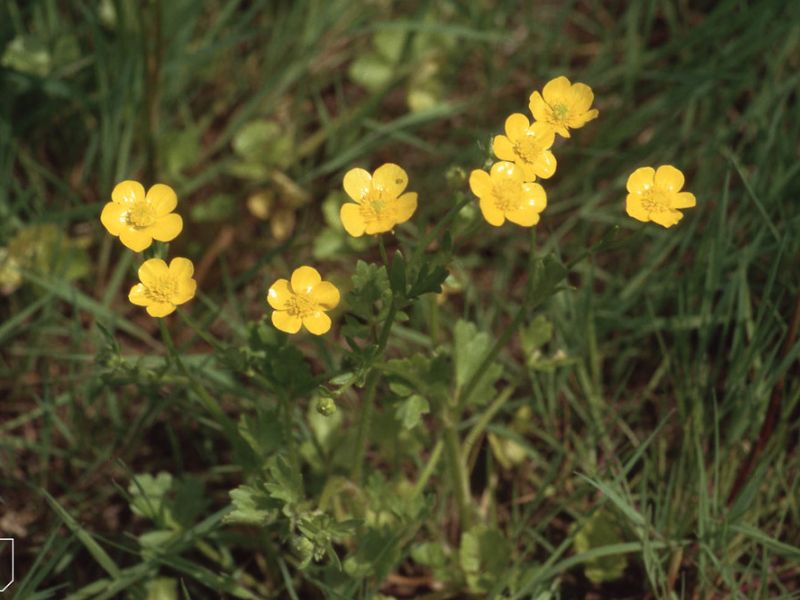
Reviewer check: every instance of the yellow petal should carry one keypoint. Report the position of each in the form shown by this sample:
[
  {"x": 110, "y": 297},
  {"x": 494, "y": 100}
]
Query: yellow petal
[
  {"x": 163, "y": 198},
  {"x": 167, "y": 227},
  {"x": 492, "y": 214},
  {"x": 286, "y": 322},
  {"x": 666, "y": 218},
  {"x": 127, "y": 192},
  {"x": 325, "y": 295},
  {"x": 357, "y": 183},
  {"x": 669, "y": 179},
  {"x": 185, "y": 292},
  {"x": 503, "y": 148},
  {"x": 113, "y": 217},
  {"x": 683, "y": 200},
  {"x": 152, "y": 270},
  {"x": 181, "y": 268},
  {"x": 562, "y": 131},
  {"x": 538, "y": 107},
  {"x": 381, "y": 225},
  {"x": 546, "y": 165},
  {"x": 527, "y": 216},
  {"x": 582, "y": 97},
  {"x": 528, "y": 170},
  {"x": 317, "y": 323},
  {"x": 581, "y": 118},
  {"x": 641, "y": 180},
  {"x": 138, "y": 295},
  {"x": 304, "y": 279},
  {"x": 544, "y": 134},
  {"x": 506, "y": 170},
  {"x": 352, "y": 219},
  {"x": 535, "y": 196},
  {"x": 160, "y": 309},
  {"x": 556, "y": 90},
  {"x": 480, "y": 183},
  {"x": 517, "y": 125},
  {"x": 405, "y": 207},
  {"x": 634, "y": 208},
  {"x": 279, "y": 294},
  {"x": 391, "y": 178},
  {"x": 134, "y": 239}
]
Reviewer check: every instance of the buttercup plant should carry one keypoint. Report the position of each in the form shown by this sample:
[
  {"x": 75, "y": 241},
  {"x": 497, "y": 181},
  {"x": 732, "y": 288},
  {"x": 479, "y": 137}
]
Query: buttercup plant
[
  {"x": 445, "y": 384},
  {"x": 138, "y": 218}
]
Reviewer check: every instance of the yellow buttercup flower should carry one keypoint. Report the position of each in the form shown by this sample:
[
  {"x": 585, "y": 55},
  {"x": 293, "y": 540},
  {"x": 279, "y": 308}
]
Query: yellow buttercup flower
[
  {"x": 303, "y": 301},
  {"x": 563, "y": 105},
  {"x": 379, "y": 200},
  {"x": 504, "y": 194},
  {"x": 655, "y": 195},
  {"x": 528, "y": 146},
  {"x": 139, "y": 218},
  {"x": 163, "y": 287}
]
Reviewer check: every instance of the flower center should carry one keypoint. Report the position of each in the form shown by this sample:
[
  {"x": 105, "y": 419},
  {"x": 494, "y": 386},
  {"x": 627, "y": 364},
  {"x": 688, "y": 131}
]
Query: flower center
[
  {"x": 164, "y": 289},
  {"x": 300, "y": 305},
  {"x": 560, "y": 112},
  {"x": 375, "y": 207},
  {"x": 141, "y": 215},
  {"x": 507, "y": 195},
  {"x": 528, "y": 148},
  {"x": 655, "y": 201}
]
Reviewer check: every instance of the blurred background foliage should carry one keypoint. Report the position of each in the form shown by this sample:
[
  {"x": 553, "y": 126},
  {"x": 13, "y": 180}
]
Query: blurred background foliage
[{"x": 647, "y": 444}]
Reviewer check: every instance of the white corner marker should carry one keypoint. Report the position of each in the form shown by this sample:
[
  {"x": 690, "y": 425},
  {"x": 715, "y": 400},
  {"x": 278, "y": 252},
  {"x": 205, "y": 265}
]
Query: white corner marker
[{"x": 7, "y": 584}]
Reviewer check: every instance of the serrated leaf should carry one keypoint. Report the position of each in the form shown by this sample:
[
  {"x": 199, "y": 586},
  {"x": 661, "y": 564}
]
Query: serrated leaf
[
  {"x": 536, "y": 334},
  {"x": 262, "y": 432},
  {"x": 409, "y": 411},
  {"x": 484, "y": 554},
  {"x": 469, "y": 349},
  {"x": 284, "y": 484},
  {"x": 429, "y": 280},
  {"x": 148, "y": 494},
  {"x": 251, "y": 506}
]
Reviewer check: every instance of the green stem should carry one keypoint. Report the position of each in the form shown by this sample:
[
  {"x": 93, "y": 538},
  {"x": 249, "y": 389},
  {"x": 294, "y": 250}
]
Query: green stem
[
  {"x": 430, "y": 467},
  {"x": 382, "y": 249},
  {"x": 364, "y": 425},
  {"x": 436, "y": 231},
  {"x": 208, "y": 401},
  {"x": 458, "y": 469},
  {"x": 483, "y": 423},
  {"x": 288, "y": 428}
]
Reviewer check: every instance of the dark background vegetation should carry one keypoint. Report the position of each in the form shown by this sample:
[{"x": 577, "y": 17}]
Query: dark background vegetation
[{"x": 666, "y": 400}]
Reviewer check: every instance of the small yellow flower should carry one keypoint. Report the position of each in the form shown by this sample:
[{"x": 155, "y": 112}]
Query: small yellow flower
[
  {"x": 303, "y": 301},
  {"x": 139, "y": 218},
  {"x": 528, "y": 146},
  {"x": 379, "y": 200},
  {"x": 564, "y": 106},
  {"x": 504, "y": 194},
  {"x": 655, "y": 195},
  {"x": 163, "y": 287}
]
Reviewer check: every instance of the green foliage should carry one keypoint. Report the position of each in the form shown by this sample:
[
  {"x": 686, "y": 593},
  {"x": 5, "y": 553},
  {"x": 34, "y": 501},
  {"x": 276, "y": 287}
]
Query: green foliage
[
  {"x": 581, "y": 401},
  {"x": 595, "y": 532}
]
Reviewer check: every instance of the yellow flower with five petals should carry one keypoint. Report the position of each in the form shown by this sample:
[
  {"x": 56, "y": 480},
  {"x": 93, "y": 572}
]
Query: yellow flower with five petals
[
  {"x": 504, "y": 194},
  {"x": 655, "y": 195},
  {"x": 528, "y": 146},
  {"x": 563, "y": 105},
  {"x": 163, "y": 287},
  {"x": 139, "y": 218},
  {"x": 302, "y": 301},
  {"x": 379, "y": 203}
]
